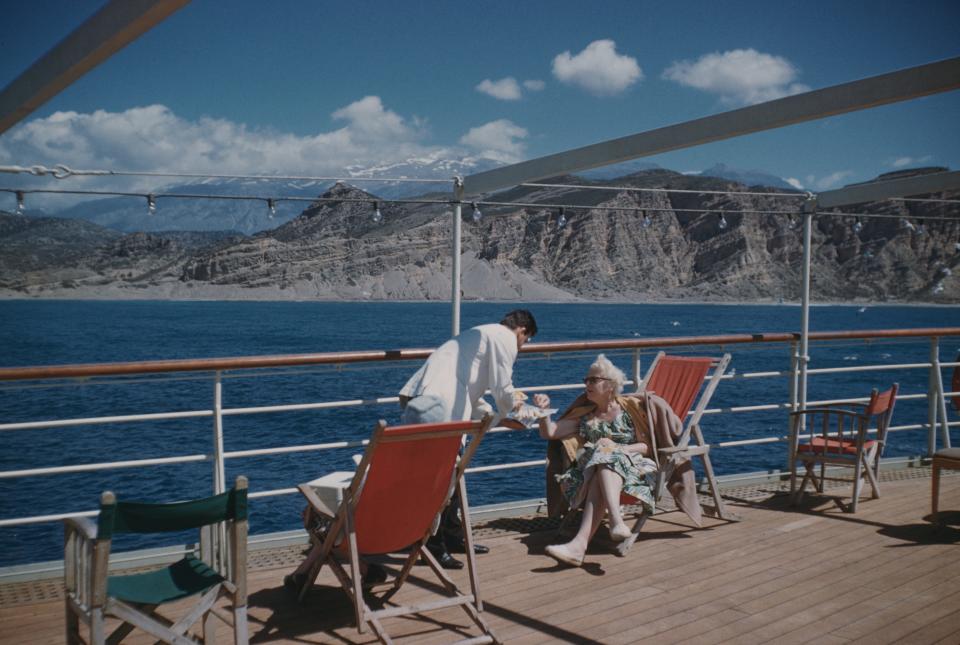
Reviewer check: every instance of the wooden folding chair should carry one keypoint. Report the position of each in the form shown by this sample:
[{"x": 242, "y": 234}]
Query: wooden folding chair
[
  {"x": 681, "y": 381},
  {"x": 402, "y": 483},
  {"x": 838, "y": 437},
  {"x": 92, "y": 594}
]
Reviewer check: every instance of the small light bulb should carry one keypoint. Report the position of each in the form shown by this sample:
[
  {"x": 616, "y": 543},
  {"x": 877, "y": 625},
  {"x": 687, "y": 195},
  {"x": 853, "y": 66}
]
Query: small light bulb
[
  {"x": 151, "y": 205},
  {"x": 377, "y": 216},
  {"x": 271, "y": 209},
  {"x": 721, "y": 221},
  {"x": 477, "y": 215},
  {"x": 20, "y": 207},
  {"x": 646, "y": 220},
  {"x": 562, "y": 220},
  {"x": 857, "y": 225}
]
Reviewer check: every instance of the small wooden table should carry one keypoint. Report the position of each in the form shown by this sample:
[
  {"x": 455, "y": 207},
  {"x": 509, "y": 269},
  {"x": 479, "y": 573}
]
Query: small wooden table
[{"x": 946, "y": 458}]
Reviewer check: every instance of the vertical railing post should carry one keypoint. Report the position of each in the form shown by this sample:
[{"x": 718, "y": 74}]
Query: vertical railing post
[
  {"x": 219, "y": 471},
  {"x": 794, "y": 375},
  {"x": 932, "y": 398},
  {"x": 940, "y": 393},
  {"x": 455, "y": 265},
  {"x": 636, "y": 369}
]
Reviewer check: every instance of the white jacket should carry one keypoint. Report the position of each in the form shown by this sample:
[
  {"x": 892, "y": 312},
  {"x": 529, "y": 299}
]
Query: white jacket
[{"x": 461, "y": 370}]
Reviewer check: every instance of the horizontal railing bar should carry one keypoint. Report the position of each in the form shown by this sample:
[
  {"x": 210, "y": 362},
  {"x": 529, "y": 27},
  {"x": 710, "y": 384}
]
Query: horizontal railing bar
[
  {"x": 150, "y": 416},
  {"x": 251, "y": 362},
  {"x": 511, "y": 466},
  {"x": 869, "y": 368},
  {"x": 106, "y": 465}
]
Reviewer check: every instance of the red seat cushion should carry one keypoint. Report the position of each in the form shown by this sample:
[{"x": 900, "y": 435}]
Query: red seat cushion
[{"x": 819, "y": 446}]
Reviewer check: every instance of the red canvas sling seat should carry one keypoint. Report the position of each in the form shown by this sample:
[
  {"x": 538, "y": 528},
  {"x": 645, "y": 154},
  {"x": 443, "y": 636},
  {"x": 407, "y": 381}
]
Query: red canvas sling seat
[{"x": 401, "y": 485}]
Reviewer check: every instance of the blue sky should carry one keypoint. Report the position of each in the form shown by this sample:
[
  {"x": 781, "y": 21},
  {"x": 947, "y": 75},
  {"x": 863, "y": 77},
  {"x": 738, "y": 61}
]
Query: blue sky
[{"x": 309, "y": 87}]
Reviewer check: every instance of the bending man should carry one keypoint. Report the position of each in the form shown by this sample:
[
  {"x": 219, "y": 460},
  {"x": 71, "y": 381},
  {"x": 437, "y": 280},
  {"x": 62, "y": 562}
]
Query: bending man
[{"x": 450, "y": 387}]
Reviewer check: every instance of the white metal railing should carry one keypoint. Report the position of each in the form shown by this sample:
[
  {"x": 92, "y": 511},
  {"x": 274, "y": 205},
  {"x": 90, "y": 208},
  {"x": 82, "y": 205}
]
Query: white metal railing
[{"x": 218, "y": 455}]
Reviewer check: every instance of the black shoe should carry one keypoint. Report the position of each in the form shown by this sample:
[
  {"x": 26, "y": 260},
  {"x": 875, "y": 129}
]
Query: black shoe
[
  {"x": 457, "y": 545},
  {"x": 293, "y": 582},
  {"x": 447, "y": 561},
  {"x": 443, "y": 556}
]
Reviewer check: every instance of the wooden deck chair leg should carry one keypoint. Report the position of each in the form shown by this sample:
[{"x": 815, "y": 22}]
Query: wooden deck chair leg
[
  {"x": 467, "y": 530},
  {"x": 355, "y": 571},
  {"x": 72, "y": 625},
  {"x": 935, "y": 491},
  {"x": 872, "y": 480},
  {"x": 241, "y": 635},
  {"x": 210, "y": 628},
  {"x": 97, "y": 633},
  {"x": 405, "y": 570},
  {"x": 722, "y": 512},
  {"x": 857, "y": 485},
  {"x": 823, "y": 477},
  {"x": 807, "y": 475},
  {"x": 623, "y": 548}
]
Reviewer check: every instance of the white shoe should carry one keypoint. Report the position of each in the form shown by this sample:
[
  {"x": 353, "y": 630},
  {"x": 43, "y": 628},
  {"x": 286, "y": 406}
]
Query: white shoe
[
  {"x": 620, "y": 533},
  {"x": 561, "y": 553}
]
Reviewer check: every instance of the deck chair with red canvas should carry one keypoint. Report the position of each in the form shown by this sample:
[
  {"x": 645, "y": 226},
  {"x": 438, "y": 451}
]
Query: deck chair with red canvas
[
  {"x": 402, "y": 483},
  {"x": 672, "y": 384},
  {"x": 686, "y": 384}
]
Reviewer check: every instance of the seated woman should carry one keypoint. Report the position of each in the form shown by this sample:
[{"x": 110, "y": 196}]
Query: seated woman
[{"x": 611, "y": 459}]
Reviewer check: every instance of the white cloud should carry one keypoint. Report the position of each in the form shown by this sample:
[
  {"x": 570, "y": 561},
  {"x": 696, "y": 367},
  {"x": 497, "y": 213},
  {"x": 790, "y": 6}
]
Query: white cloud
[
  {"x": 506, "y": 89},
  {"x": 500, "y": 140},
  {"x": 153, "y": 138},
  {"x": 830, "y": 181},
  {"x": 534, "y": 85},
  {"x": 740, "y": 76},
  {"x": 794, "y": 182},
  {"x": 900, "y": 162},
  {"x": 599, "y": 69}
]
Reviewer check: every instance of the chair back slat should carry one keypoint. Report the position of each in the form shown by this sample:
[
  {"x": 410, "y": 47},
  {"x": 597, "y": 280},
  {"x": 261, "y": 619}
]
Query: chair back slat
[
  {"x": 678, "y": 380},
  {"x": 407, "y": 482},
  {"x": 882, "y": 402},
  {"x": 142, "y": 517}
]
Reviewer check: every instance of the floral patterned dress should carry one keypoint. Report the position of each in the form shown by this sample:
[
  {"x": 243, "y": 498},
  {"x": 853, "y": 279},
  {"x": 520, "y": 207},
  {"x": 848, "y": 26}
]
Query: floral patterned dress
[{"x": 637, "y": 472}]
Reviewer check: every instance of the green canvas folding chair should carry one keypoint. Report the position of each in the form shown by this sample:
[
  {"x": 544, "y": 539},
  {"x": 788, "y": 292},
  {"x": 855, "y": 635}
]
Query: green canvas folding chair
[{"x": 93, "y": 595}]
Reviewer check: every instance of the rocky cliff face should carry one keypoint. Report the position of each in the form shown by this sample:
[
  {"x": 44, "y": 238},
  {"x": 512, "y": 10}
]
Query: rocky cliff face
[{"x": 605, "y": 250}]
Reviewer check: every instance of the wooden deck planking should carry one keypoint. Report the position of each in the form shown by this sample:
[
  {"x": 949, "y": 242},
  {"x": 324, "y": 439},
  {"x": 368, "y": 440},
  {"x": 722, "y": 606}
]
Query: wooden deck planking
[{"x": 781, "y": 575}]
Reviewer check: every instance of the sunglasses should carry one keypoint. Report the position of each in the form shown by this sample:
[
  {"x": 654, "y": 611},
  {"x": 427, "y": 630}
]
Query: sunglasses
[{"x": 593, "y": 380}]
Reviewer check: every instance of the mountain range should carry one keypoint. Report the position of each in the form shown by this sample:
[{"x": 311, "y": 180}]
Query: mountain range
[{"x": 618, "y": 245}]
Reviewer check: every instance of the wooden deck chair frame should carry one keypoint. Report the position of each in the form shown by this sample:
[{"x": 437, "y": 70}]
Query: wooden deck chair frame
[
  {"x": 839, "y": 438},
  {"x": 343, "y": 526},
  {"x": 668, "y": 458},
  {"x": 92, "y": 595}
]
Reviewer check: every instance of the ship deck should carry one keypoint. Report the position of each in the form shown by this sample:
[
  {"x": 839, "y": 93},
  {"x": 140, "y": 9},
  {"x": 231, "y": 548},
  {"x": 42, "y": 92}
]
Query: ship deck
[{"x": 781, "y": 574}]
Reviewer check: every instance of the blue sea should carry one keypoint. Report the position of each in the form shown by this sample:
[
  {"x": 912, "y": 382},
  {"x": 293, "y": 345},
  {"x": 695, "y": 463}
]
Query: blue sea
[{"x": 68, "y": 332}]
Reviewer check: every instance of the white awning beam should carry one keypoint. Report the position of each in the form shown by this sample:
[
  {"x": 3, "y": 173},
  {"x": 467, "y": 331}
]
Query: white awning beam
[
  {"x": 870, "y": 92},
  {"x": 877, "y": 190},
  {"x": 116, "y": 25}
]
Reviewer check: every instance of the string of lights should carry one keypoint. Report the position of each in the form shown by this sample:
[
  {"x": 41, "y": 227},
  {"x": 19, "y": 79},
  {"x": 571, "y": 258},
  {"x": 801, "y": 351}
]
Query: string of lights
[{"x": 272, "y": 201}]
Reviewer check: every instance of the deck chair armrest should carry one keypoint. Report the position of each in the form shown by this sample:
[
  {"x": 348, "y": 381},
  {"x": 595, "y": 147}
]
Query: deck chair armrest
[
  {"x": 84, "y": 526},
  {"x": 315, "y": 502}
]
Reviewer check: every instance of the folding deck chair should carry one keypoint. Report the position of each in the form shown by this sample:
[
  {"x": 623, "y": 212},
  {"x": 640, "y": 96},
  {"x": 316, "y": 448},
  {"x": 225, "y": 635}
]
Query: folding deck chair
[
  {"x": 92, "y": 594},
  {"x": 402, "y": 483},
  {"x": 679, "y": 381},
  {"x": 838, "y": 436}
]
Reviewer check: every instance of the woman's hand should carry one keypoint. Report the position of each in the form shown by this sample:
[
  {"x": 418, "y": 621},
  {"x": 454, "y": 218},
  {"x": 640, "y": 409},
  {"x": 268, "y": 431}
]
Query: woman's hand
[
  {"x": 606, "y": 445},
  {"x": 541, "y": 400}
]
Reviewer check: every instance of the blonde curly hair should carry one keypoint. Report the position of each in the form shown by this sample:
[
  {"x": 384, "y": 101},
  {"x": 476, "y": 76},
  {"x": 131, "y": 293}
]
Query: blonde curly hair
[{"x": 608, "y": 370}]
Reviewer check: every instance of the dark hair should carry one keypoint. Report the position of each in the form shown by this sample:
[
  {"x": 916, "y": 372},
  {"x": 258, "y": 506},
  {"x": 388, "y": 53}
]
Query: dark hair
[{"x": 520, "y": 318}]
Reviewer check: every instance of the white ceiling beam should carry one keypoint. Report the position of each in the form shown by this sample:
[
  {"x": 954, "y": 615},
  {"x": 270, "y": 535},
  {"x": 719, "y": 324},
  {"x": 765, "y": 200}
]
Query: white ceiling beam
[
  {"x": 870, "y": 92},
  {"x": 116, "y": 25}
]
